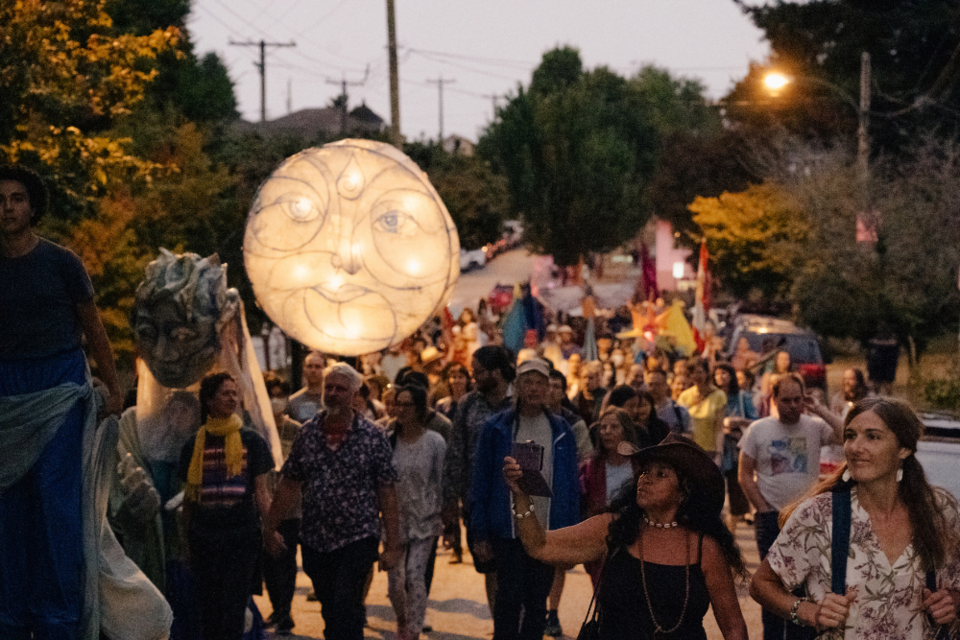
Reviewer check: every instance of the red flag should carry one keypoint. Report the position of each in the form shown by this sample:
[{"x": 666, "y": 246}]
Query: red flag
[{"x": 649, "y": 274}]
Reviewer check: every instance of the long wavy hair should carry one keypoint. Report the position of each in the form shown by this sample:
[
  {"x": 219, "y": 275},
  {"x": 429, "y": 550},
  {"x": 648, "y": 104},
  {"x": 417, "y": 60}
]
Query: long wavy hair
[
  {"x": 932, "y": 534},
  {"x": 692, "y": 513}
]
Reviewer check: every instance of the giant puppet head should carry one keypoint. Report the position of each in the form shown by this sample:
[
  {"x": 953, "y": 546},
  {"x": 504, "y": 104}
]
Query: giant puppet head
[
  {"x": 181, "y": 307},
  {"x": 349, "y": 248},
  {"x": 189, "y": 324}
]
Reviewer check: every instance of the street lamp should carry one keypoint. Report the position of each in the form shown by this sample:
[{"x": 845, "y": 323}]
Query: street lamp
[{"x": 775, "y": 81}]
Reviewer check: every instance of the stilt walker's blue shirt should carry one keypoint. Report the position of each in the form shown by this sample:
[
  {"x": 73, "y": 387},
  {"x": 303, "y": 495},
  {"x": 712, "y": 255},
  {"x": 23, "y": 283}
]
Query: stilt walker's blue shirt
[{"x": 39, "y": 294}]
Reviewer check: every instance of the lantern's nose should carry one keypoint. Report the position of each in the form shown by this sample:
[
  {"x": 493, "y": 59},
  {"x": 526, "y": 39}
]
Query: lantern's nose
[{"x": 347, "y": 256}]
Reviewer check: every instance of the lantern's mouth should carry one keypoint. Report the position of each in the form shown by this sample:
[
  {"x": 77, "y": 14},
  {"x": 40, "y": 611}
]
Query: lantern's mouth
[{"x": 343, "y": 293}]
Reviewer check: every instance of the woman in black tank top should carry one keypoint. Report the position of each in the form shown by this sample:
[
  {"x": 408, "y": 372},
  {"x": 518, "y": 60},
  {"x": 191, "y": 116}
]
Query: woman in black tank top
[{"x": 668, "y": 556}]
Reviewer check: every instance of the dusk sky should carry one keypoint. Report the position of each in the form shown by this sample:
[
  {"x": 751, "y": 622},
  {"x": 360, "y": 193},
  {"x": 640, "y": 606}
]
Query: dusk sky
[{"x": 486, "y": 47}]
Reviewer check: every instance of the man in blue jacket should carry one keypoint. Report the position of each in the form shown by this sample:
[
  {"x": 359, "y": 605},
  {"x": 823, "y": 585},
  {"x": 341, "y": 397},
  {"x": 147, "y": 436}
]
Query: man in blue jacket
[{"x": 522, "y": 582}]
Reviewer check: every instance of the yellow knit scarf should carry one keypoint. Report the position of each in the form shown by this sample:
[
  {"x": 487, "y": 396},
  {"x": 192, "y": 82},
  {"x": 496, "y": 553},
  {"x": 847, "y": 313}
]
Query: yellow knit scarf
[{"x": 229, "y": 429}]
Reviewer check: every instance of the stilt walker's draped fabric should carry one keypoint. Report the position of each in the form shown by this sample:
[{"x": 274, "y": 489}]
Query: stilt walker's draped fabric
[{"x": 113, "y": 586}]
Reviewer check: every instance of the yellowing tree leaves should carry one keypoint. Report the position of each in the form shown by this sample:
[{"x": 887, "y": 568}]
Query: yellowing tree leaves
[
  {"x": 64, "y": 78},
  {"x": 753, "y": 237}
]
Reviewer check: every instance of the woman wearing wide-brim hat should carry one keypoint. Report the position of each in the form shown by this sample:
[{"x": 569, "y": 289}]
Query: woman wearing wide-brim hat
[{"x": 667, "y": 555}]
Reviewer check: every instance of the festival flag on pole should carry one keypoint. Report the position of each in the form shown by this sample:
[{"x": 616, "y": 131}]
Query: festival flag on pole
[{"x": 649, "y": 274}]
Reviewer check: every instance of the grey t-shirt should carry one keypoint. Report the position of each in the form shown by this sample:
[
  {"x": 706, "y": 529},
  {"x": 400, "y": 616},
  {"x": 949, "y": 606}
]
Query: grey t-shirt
[
  {"x": 420, "y": 467},
  {"x": 538, "y": 430},
  {"x": 787, "y": 456},
  {"x": 39, "y": 294}
]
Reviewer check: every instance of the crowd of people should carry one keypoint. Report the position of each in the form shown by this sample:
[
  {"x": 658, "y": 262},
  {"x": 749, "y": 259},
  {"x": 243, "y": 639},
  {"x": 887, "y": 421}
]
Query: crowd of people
[
  {"x": 739, "y": 440},
  {"x": 624, "y": 455}
]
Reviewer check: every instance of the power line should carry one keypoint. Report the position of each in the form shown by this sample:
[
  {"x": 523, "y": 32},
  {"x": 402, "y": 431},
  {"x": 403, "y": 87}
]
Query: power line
[
  {"x": 503, "y": 62},
  {"x": 262, "y": 66},
  {"x": 322, "y": 18},
  {"x": 464, "y": 67},
  {"x": 240, "y": 18}
]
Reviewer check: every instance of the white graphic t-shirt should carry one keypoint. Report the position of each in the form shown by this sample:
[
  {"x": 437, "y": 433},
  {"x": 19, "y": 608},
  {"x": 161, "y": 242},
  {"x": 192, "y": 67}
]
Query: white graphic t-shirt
[{"x": 787, "y": 456}]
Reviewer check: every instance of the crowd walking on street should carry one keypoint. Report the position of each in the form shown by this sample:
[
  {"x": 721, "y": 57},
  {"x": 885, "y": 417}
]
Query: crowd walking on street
[{"x": 581, "y": 440}]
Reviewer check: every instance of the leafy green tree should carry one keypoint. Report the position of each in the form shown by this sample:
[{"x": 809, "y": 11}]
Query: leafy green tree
[
  {"x": 691, "y": 165},
  {"x": 907, "y": 280},
  {"x": 794, "y": 239},
  {"x": 915, "y": 56},
  {"x": 197, "y": 88},
  {"x": 578, "y": 149}
]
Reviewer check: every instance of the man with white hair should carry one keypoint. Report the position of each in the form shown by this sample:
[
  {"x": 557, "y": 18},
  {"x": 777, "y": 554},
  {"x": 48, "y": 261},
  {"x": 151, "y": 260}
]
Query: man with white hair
[{"x": 342, "y": 465}]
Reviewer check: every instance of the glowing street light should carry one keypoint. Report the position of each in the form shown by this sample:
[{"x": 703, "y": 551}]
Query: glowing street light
[{"x": 775, "y": 81}]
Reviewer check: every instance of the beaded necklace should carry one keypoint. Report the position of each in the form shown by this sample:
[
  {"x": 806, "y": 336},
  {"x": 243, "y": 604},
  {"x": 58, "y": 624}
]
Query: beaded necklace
[
  {"x": 661, "y": 525},
  {"x": 646, "y": 590}
]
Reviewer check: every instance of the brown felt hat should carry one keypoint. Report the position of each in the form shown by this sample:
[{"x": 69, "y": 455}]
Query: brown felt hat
[{"x": 689, "y": 460}]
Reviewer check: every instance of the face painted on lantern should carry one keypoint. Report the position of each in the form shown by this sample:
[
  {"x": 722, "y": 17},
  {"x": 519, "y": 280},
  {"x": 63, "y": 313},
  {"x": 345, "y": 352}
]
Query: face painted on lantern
[{"x": 349, "y": 248}]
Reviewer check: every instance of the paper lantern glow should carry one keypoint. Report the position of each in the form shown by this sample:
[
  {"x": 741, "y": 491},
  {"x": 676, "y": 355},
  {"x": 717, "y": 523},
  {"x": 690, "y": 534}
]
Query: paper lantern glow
[{"x": 349, "y": 248}]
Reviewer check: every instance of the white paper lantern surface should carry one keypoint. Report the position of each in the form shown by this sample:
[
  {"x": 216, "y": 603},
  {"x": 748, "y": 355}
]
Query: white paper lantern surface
[{"x": 349, "y": 248}]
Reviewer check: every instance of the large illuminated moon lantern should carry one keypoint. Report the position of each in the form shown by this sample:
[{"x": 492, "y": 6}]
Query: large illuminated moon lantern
[{"x": 349, "y": 248}]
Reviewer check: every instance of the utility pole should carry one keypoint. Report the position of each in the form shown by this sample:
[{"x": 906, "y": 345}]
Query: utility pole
[
  {"x": 863, "y": 134},
  {"x": 395, "y": 138},
  {"x": 262, "y": 67},
  {"x": 440, "y": 82},
  {"x": 289, "y": 96},
  {"x": 493, "y": 98},
  {"x": 343, "y": 94}
]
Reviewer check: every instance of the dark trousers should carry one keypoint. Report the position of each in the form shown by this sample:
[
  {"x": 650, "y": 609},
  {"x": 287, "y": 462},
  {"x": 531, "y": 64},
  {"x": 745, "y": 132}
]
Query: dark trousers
[
  {"x": 431, "y": 564},
  {"x": 523, "y": 585},
  {"x": 280, "y": 573},
  {"x": 225, "y": 569},
  {"x": 338, "y": 578},
  {"x": 774, "y": 627}
]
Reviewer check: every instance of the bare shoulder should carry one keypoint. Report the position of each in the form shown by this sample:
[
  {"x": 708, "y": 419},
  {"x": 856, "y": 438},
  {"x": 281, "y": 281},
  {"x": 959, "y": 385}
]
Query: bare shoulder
[{"x": 713, "y": 559}]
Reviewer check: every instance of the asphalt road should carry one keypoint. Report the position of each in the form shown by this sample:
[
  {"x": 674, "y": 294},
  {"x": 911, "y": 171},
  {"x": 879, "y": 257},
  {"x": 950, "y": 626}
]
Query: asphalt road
[
  {"x": 458, "y": 610},
  {"x": 509, "y": 267}
]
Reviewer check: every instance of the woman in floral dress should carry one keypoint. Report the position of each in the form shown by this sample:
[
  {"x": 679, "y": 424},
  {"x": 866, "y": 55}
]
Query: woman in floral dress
[{"x": 901, "y": 530}]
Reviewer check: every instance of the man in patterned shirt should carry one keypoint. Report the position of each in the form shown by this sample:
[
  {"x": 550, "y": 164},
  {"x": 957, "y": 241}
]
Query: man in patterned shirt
[{"x": 341, "y": 464}]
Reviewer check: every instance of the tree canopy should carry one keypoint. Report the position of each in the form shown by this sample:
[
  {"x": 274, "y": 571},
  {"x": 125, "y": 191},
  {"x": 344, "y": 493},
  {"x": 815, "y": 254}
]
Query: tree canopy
[
  {"x": 915, "y": 60},
  {"x": 794, "y": 239},
  {"x": 578, "y": 149}
]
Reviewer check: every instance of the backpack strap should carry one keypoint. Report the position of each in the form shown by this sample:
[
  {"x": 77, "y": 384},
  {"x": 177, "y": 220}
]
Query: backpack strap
[{"x": 840, "y": 544}]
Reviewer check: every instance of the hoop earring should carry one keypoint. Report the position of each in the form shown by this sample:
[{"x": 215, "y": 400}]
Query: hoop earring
[
  {"x": 846, "y": 475},
  {"x": 900, "y": 474}
]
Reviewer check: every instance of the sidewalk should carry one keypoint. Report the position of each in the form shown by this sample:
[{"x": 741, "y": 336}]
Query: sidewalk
[{"x": 458, "y": 604}]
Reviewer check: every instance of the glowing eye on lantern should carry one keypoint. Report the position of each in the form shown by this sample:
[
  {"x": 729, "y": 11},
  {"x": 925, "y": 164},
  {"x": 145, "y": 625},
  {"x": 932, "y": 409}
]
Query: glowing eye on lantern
[
  {"x": 299, "y": 208},
  {"x": 394, "y": 221}
]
